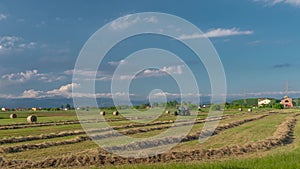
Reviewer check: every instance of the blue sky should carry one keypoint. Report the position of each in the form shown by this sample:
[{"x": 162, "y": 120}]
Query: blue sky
[{"x": 257, "y": 41}]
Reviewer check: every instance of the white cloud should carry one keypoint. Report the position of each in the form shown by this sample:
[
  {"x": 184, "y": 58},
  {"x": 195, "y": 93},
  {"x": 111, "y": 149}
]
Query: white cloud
[
  {"x": 106, "y": 76},
  {"x": 275, "y": 2},
  {"x": 112, "y": 63},
  {"x": 63, "y": 91},
  {"x": 9, "y": 42},
  {"x": 21, "y": 77},
  {"x": 124, "y": 22},
  {"x": 293, "y": 2},
  {"x": 219, "y": 32},
  {"x": 12, "y": 42},
  {"x": 29, "y": 45},
  {"x": 255, "y": 42},
  {"x": 130, "y": 20},
  {"x": 151, "y": 19},
  {"x": 175, "y": 95},
  {"x": 31, "y": 94},
  {"x": 88, "y": 73},
  {"x": 103, "y": 95},
  {"x": 164, "y": 71},
  {"x": 2, "y": 17}
]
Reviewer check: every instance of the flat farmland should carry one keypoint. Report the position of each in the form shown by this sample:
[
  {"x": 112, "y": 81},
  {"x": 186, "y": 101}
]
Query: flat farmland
[{"x": 240, "y": 140}]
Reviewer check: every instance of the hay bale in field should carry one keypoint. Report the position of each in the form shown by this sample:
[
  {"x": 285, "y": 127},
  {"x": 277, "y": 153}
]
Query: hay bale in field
[
  {"x": 31, "y": 119},
  {"x": 249, "y": 110},
  {"x": 167, "y": 111},
  {"x": 115, "y": 113},
  {"x": 240, "y": 109},
  {"x": 102, "y": 113},
  {"x": 13, "y": 116}
]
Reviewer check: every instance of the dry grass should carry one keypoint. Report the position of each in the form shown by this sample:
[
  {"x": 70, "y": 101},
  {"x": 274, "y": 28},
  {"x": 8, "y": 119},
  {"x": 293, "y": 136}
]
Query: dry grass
[
  {"x": 281, "y": 136},
  {"x": 79, "y": 152}
]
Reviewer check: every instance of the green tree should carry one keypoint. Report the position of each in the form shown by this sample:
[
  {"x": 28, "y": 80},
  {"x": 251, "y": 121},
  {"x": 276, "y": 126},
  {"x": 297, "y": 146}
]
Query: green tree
[
  {"x": 68, "y": 106},
  {"x": 215, "y": 107},
  {"x": 278, "y": 106}
]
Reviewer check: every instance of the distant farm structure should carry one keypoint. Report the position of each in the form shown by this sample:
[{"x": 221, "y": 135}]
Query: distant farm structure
[
  {"x": 263, "y": 102},
  {"x": 287, "y": 102}
]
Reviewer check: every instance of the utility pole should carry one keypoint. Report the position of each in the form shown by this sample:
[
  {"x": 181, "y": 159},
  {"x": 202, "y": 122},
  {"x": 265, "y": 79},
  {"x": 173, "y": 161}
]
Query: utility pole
[
  {"x": 245, "y": 101},
  {"x": 287, "y": 88}
]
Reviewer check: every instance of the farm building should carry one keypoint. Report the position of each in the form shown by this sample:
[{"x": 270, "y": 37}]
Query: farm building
[
  {"x": 4, "y": 109},
  {"x": 263, "y": 101},
  {"x": 287, "y": 102}
]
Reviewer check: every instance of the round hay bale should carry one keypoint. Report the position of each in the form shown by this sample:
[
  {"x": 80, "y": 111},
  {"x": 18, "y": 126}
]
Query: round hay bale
[
  {"x": 249, "y": 110},
  {"x": 13, "y": 116},
  {"x": 115, "y": 113},
  {"x": 31, "y": 119},
  {"x": 167, "y": 112},
  {"x": 240, "y": 109},
  {"x": 102, "y": 113}
]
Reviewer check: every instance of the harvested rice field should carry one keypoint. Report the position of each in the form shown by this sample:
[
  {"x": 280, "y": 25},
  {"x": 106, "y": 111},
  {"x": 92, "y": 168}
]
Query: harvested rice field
[{"x": 57, "y": 140}]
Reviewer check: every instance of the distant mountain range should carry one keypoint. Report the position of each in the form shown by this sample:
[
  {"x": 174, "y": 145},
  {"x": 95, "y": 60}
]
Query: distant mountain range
[{"x": 57, "y": 102}]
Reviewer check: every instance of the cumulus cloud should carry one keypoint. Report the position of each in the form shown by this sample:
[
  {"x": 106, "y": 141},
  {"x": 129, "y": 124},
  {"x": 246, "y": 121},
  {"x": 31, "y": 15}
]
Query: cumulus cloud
[
  {"x": 103, "y": 95},
  {"x": 9, "y": 42},
  {"x": 2, "y": 17},
  {"x": 164, "y": 71},
  {"x": 175, "y": 95},
  {"x": 12, "y": 42},
  {"x": 219, "y": 32},
  {"x": 31, "y": 94},
  {"x": 107, "y": 76},
  {"x": 275, "y": 2},
  {"x": 21, "y": 77},
  {"x": 113, "y": 63},
  {"x": 63, "y": 91},
  {"x": 89, "y": 74},
  {"x": 29, "y": 45},
  {"x": 130, "y": 20}
]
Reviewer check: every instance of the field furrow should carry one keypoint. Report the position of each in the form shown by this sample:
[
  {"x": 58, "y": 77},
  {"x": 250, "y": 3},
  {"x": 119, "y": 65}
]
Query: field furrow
[
  {"x": 175, "y": 139},
  {"x": 281, "y": 136}
]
